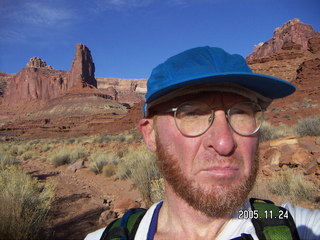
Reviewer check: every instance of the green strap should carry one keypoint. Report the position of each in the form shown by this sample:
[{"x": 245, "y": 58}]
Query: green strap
[
  {"x": 273, "y": 222},
  {"x": 124, "y": 228}
]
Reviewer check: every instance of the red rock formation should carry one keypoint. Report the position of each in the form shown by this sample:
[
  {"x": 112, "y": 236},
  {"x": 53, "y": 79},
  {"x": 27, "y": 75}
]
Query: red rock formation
[
  {"x": 123, "y": 85},
  {"x": 129, "y": 91},
  {"x": 314, "y": 45},
  {"x": 38, "y": 81},
  {"x": 293, "y": 31},
  {"x": 82, "y": 72},
  {"x": 4, "y": 78},
  {"x": 37, "y": 62},
  {"x": 110, "y": 91},
  {"x": 33, "y": 83},
  {"x": 308, "y": 73}
]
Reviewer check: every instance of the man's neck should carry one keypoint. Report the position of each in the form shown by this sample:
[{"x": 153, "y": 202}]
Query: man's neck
[{"x": 178, "y": 220}]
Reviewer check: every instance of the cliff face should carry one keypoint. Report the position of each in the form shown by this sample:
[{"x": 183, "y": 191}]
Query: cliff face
[
  {"x": 123, "y": 85},
  {"x": 128, "y": 91},
  {"x": 39, "y": 81},
  {"x": 296, "y": 63},
  {"x": 35, "y": 82},
  {"x": 293, "y": 31}
]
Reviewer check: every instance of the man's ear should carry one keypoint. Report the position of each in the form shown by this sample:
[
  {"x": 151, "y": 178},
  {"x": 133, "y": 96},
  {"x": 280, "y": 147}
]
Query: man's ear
[{"x": 147, "y": 130}]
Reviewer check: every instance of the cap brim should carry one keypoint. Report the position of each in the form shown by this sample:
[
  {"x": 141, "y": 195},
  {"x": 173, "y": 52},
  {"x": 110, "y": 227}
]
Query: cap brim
[{"x": 268, "y": 86}]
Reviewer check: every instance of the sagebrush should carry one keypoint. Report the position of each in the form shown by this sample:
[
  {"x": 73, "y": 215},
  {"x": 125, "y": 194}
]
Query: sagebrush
[
  {"x": 24, "y": 204},
  {"x": 308, "y": 127},
  {"x": 139, "y": 165}
]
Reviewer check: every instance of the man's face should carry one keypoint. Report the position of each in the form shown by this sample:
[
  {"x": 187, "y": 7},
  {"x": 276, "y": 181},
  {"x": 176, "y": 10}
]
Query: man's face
[{"x": 213, "y": 172}]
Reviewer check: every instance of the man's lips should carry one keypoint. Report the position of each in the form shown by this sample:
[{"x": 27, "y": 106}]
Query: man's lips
[{"x": 226, "y": 171}]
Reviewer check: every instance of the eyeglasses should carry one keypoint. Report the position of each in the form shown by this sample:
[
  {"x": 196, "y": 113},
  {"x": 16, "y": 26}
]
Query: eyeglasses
[{"x": 194, "y": 118}]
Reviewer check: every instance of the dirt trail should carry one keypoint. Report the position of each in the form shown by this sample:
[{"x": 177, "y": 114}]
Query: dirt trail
[{"x": 81, "y": 197}]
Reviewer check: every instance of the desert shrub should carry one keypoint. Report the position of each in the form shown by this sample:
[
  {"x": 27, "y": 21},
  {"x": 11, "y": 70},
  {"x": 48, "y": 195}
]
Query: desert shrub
[
  {"x": 103, "y": 138},
  {"x": 269, "y": 132},
  {"x": 7, "y": 160},
  {"x": 19, "y": 148},
  {"x": 100, "y": 159},
  {"x": 157, "y": 190},
  {"x": 292, "y": 186},
  {"x": 131, "y": 136},
  {"x": 139, "y": 165},
  {"x": 46, "y": 147},
  {"x": 13, "y": 150},
  {"x": 24, "y": 204},
  {"x": 70, "y": 141},
  {"x": 27, "y": 155},
  {"x": 109, "y": 170},
  {"x": 308, "y": 127},
  {"x": 67, "y": 155}
]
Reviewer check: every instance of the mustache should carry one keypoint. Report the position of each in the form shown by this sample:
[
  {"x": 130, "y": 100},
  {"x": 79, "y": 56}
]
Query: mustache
[{"x": 212, "y": 160}]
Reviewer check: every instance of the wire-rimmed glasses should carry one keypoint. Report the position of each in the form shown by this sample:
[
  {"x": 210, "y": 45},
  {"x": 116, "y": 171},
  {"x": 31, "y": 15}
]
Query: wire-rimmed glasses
[{"x": 194, "y": 118}]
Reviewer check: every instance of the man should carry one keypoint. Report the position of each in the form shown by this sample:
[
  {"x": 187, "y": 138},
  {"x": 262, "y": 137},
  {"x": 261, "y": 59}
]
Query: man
[{"x": 202, "y": 115}]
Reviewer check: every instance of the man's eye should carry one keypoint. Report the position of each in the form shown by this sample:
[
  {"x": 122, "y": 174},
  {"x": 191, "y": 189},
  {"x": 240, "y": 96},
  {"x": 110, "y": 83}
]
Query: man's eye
[{"x": 191, "y": 114}]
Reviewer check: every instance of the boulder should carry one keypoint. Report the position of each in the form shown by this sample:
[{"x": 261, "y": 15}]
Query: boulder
[
  {"x": 311, "y": 167},
  {"x": 300, "y": 156},
  {"x": 283, "y": 141},
  {"x": 267, "y": 171},
  {"x": 107, "y": 217},
  {"x": 122, "y": 205},
  {"x": 76, "y": 166}
]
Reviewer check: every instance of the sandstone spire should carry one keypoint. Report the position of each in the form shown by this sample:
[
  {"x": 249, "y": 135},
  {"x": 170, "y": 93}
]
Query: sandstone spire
[{"x": 83, "y": 68}]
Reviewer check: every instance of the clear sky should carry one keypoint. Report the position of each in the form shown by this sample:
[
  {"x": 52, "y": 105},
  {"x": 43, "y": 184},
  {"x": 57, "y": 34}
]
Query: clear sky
[{"x": 127, "y": 38}]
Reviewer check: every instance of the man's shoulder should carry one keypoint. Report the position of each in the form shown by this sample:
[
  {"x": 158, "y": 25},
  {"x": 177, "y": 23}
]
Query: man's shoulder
[
  {"x": 303, "y": 216},
  {"x": 307, "y": 221}
]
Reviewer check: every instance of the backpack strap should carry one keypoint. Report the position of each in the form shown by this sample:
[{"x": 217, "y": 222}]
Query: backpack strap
[
  {"x": 124, "y": 228},
  {"x": 273, "y": 222}
]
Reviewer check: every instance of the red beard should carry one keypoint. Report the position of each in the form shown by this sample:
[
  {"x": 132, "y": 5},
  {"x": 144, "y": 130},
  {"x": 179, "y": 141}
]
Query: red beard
[{"x": 219, "y": 201}]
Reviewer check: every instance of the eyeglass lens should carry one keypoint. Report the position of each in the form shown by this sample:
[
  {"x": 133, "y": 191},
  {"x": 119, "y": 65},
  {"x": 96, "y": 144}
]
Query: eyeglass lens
[{"x": 194, "y": 118}]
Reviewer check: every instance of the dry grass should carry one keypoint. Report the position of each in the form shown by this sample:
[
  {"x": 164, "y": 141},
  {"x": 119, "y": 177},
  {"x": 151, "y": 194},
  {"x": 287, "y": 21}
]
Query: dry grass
[
  {"x": 289, "y": 185},
  {"x": 139, "y": 165},
  {"x": 100, "y": 159},
  {"x": 109, "y": 170},
  {"x": 67, "y": 155},
  {"x": 269, "y": 132},
  {"x": 7, "y": 160},
  {"x": 308, "y": 127},
  {"x": 24, "y": 204}
]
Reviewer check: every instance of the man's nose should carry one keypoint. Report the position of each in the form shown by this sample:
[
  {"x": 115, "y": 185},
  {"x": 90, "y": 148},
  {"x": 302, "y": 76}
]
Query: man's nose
[{"x": 219, "y": 136}]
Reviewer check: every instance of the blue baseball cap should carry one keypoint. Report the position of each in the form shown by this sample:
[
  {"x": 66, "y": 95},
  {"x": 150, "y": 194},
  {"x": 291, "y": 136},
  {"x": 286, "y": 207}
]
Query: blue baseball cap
[{"x": 190, "y": 70}]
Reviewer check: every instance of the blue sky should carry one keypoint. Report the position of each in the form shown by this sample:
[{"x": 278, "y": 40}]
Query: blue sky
[{"x": 127, "y": 38}]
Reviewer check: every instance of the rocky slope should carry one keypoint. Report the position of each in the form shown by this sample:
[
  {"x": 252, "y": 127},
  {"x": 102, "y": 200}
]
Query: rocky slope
[{"x": 296, "y": 63}]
